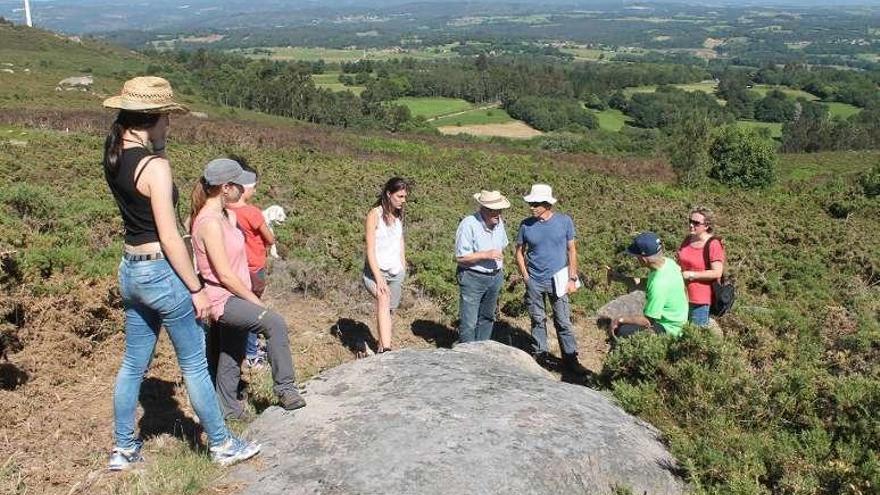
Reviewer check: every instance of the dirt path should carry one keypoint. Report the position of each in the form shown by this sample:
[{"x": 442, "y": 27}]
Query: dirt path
[{"x": 55, "y": 428}]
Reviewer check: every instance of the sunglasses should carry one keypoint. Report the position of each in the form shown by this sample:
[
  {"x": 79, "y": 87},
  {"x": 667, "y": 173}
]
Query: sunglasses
[
  {"x": 535, "y": 205},
  {"x": 696, "y": 223}
]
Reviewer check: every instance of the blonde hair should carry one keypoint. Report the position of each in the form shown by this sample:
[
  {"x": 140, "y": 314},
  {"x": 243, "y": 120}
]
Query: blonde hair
[{"x": 708, "y": 217}]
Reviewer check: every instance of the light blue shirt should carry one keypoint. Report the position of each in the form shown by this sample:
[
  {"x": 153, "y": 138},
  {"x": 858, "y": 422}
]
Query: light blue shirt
[{"x": 473, "y": 236}]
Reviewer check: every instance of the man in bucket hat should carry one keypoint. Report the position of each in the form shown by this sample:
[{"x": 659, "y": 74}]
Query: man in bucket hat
[
  {"x": 545, "y": 250},
  {"x": 666, "y": 304},
  {"x": 479, "y": 250}
]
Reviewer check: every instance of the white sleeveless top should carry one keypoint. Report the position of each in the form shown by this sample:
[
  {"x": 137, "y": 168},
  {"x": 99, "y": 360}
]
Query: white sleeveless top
[{"x": 388, "y": 240}]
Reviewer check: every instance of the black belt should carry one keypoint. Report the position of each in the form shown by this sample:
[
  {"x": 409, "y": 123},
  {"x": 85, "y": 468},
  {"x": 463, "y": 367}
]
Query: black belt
[
  {"x": 493, "y": 272},
  {"x": 143, "y": 257}
]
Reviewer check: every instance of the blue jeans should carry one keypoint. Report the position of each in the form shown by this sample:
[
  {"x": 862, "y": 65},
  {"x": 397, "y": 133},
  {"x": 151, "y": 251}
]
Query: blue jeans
[
  {"x": 699, "y": 314},
  {"x": 476, "y": 304},
  {"x": 154, "y": 296},
  {"x": 535, "y": 294}
]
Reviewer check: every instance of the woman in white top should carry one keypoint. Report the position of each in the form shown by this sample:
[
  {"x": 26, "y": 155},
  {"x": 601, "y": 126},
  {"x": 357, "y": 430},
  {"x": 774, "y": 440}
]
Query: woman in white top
[{"x": 385, "y": 266}]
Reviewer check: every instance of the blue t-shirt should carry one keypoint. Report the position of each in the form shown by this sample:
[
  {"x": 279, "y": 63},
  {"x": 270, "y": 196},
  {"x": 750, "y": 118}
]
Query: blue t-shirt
[
  {"x": 473, "y": 236},
  {"x": 546, "y": 244}
]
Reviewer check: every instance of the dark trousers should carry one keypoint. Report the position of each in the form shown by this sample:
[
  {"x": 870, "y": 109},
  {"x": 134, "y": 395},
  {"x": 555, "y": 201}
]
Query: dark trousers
[{"x": 226, "y": 350}]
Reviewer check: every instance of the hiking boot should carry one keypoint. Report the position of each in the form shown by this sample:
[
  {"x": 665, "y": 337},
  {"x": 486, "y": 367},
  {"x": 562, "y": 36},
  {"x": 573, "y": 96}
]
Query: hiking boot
[
  {"x": 543, "y": 359},
  {"x": 122, "y": 459},
  {"x": 234, "y": 450},
  {"x": 256, "y": 361},
  {"x": 290, "y": 399},
  {"x": 571, "y": 364}
]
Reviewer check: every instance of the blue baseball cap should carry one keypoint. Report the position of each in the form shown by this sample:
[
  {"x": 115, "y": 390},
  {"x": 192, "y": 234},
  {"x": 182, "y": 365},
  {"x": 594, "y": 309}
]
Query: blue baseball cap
[{"x": 645, "y": 244}]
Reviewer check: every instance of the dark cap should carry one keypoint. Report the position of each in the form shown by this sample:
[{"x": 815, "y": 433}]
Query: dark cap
[
  {"x": 645, "y": 244},
  {"x": 223, "y": 171}
]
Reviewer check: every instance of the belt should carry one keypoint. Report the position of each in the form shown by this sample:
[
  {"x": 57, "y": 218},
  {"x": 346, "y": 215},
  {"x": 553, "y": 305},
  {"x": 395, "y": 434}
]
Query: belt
[
  {"x": 143, "y": 257},
  {"x": 493, "y": 272}
]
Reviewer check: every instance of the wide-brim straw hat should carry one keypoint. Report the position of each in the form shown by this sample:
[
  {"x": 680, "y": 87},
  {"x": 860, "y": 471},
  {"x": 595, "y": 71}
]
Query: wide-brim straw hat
[
  {"x": 540, "y": 193},
  {"x": 492, "y": 200},
  {"x": 146, "y": 94}
]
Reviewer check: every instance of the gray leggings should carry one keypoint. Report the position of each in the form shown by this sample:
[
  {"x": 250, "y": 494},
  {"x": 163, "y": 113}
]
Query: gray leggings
[{"x": 226, "y": 350}]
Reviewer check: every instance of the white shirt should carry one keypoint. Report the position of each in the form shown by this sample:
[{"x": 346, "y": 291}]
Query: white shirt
[{"x": 388, "y": 243}]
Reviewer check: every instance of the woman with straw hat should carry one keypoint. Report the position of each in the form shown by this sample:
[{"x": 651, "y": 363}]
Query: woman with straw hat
[{"x": 158, "y": 285}]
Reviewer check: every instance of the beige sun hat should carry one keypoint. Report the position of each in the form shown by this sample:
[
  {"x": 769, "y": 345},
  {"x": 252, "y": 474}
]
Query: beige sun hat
[
  {"x": 493, "y": 200},
  {"x": 146, "y": 94},
  {"x": 540, "y": 193}
]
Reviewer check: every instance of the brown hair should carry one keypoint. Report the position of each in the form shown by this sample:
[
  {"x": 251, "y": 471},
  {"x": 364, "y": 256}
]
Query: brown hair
[
  {"x": 394, "y": 184},
  {"x": 200, "y": 194},
  {"x": 125, "y": 120},
  {"x": 708, "y": 217}
]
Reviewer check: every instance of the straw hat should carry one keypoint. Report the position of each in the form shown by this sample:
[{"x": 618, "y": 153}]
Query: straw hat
[
  {"x": 492, "y": 200},
  {"x": 540, "y": 193},
  {"x": 146, "y": 94}
]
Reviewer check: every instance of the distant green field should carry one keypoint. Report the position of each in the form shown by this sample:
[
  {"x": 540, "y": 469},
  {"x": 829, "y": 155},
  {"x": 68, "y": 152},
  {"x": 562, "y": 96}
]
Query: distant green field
[
  {"x": 610, "y": 119},
  {"x": 704, "y": 86},
  {"x": 774, "y": 127},
  {"x": 763, "y": 89},
  {"x": 841, "y": 109},
  {"x": 587, "y": 53},
  {"x": 330, "y": 80},
  {"x": 433, "y": 107},
  {"x": 475, "y": 117},
  {"x": 343, "y": 55}
]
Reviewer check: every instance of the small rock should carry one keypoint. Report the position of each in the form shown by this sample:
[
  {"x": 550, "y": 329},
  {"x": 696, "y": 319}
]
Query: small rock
[
  {"x": 627, "y": 304},
  {"x": 9, "y": 71},
  {"x": 81, "y": 82},
  {"x": 199, "y": 115}
]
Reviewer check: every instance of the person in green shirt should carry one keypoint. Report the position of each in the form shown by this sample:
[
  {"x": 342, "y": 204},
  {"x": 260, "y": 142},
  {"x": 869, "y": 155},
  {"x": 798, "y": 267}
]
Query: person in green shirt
[{"x": 666, "y": 303}]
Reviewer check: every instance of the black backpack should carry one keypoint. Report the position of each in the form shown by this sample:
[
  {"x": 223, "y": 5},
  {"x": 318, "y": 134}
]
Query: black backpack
[{"x": 723, "y": 290}]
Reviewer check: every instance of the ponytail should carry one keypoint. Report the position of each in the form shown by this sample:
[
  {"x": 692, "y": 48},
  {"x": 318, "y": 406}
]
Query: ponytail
[
  {"x": 113, "y": 147},
  {"x": 200, "y": 194},
  {"x": 197, "y": 201},
  {"x": 125, "y": 120}
]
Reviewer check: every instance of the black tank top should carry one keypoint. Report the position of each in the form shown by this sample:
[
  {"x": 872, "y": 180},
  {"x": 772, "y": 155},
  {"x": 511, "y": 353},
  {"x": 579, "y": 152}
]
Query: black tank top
[{"x": 137, "y": 215}]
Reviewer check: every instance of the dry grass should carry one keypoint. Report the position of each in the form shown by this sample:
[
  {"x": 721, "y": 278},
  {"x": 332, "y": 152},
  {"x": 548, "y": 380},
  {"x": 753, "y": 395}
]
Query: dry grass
[
  {"x": 56, "y": 427},
  {"x": 512, "y": 130}
]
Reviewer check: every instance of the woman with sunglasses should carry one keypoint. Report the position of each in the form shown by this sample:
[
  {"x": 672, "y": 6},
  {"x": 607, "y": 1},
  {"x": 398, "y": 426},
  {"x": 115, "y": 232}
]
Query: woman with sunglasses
[
  {"x": 698, "y": 275},
  {"x": 221, "y": 258},
  {"x": 156, "y": 279}
]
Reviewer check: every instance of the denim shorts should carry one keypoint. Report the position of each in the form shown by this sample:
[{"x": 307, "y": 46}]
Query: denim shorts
[{"x": 395, "y": 284}]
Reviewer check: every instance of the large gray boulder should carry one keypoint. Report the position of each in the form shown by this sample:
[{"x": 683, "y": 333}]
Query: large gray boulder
[{"x": 476, "y": 419}]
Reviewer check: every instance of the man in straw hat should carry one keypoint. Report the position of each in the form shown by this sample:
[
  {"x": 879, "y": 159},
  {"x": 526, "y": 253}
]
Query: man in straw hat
[
  {"x": 546, "y": 257},
  {"x": 479, "y": 250}
]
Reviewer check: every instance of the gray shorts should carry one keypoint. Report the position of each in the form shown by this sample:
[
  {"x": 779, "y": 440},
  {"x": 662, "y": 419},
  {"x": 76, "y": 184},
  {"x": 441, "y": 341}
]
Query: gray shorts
[{"x": 395, "y": 285}]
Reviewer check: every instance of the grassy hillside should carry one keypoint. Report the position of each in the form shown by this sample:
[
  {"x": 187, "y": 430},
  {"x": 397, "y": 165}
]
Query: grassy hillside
[{"x": 784, "y": 403}]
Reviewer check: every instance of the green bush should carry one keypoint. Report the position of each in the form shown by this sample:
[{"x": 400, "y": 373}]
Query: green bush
[
  {"x": 870, "y": 182},
  {"x": 742, "y": 157}
]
